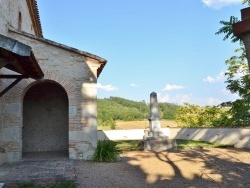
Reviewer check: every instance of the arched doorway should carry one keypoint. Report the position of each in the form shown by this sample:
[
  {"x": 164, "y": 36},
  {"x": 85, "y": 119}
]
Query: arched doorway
[{"x": 45, "y": 122}]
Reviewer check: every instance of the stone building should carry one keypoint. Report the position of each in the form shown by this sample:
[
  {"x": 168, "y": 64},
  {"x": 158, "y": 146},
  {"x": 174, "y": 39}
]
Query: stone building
[{"x": 48, "y": 90}]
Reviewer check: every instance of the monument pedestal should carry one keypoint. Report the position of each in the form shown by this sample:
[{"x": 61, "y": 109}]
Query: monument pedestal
[
  {"x": 159, "y": 144},
  {"x": 156, "y": 141}
]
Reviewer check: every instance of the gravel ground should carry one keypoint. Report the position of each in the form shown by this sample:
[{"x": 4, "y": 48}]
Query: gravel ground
[{"x": 184, "y": 168}]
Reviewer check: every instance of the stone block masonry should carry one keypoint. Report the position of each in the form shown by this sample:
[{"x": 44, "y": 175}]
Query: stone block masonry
[{"x": 70, "y": 74}]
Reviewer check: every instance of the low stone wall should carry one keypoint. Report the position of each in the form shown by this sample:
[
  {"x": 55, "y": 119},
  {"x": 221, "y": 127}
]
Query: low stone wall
[{"x": 238, "y": 137}]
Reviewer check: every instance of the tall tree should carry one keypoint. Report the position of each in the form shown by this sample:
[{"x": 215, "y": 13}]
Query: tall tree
[
  {"x": 191, "y": 115},
  {"x": 238, "y": 78},
  {"x": 246, "y": 1},
  {"x": 227, "y": 29}
]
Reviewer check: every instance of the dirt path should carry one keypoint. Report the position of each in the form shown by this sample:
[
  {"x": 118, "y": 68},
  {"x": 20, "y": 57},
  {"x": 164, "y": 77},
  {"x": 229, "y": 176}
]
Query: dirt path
[{"x": 184, "y": 168}]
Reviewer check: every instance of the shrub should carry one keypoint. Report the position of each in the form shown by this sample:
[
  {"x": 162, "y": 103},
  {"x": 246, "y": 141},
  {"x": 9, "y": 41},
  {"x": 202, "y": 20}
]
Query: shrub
[
  {"x": 106, "y": 151},
  {"x": 2, "y": 150},
  {"x": 64, "y": 184}
]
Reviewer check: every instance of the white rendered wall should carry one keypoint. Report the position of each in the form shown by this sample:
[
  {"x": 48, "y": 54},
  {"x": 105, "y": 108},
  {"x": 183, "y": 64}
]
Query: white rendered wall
[{"x": 238, "y": 137}]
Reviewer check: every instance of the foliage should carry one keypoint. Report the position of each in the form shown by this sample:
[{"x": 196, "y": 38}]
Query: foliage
[
  {"x": 168, "y": 110},
  {"x": 238, "y": 74},
  {"x": 109, "y": 123},
  {"x": 195, "y": 116},
  {"x": 133, "y": 145},
  {"x": 105, "y": 151},
  {"x": 2, "y": 150},
  {"x": 194, "y": 144},
  {"x": 127, "y": 145},
  {"x": 227, "y": 29},
  {"x": 116, "y": 108},
  {"x": 64, "y": 184},
  {"x": 238, "y": 81},
  {"x": 246, "y": 1}
]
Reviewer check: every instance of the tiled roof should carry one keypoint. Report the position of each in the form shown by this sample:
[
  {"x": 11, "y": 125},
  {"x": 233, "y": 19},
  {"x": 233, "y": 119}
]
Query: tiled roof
[
  {"x": 101, "y": 61},
  {"x": 34, "y": 13}
]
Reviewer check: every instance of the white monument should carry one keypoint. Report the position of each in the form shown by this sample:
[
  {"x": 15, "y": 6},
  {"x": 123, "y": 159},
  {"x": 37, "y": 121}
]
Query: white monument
[
  {"x": 154, "y": 119},
  {"x": 154, "y": 138}
]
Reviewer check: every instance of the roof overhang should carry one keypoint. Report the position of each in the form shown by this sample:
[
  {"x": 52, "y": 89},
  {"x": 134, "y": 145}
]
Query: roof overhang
[
  {"x": 19, "y": 58},
  {"x": 101, "y": 61}
]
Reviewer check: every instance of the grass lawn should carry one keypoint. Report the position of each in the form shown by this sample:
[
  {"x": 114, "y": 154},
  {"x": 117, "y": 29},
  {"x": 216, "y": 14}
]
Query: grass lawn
[
  {"x": 132, "y": 145},
  {"x": 64, "y": 184},
  {"x": 193, "y": 144}
]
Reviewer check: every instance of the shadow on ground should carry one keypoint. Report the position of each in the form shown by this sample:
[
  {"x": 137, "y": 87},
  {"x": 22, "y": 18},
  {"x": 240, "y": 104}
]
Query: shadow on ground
[
  {"x": 194, "y": 168},
  {"x": 183, "y": 168}
]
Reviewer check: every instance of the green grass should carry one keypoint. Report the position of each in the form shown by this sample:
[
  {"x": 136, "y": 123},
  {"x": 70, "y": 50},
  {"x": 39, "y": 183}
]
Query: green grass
[
  {"x": 133, "y": 145},
  {"x": 64, "y": 184},
  {"x": 127, "y": 145},
  {"x": 194, "y": 144}
]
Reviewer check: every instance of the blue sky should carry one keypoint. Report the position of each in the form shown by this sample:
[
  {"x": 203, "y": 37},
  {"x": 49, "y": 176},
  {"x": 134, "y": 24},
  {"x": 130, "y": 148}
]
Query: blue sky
[{"x": 165, "y": 46}]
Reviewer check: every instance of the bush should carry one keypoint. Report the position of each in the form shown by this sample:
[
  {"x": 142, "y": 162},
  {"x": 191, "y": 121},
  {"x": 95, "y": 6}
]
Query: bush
[
  {"x": 2, "y": 150},
  {"x": 105, "y": 151}
]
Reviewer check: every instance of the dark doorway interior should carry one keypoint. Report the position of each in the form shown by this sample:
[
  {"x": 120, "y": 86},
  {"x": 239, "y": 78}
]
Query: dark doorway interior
[{"x": 45, "y": 122}]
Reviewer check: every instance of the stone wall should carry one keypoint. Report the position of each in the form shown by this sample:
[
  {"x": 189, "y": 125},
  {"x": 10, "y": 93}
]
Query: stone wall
[
  {"x": 77, "y": 74},
  {"x": 73, "y": 70},
  {"x": 9, "y": 130},
  {"x": 9, "y": 16},
  {"x": 45, "y": 118}
]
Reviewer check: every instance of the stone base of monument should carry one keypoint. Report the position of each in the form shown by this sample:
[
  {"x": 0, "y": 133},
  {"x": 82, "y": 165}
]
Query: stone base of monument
[
  {"x": 156, "y": 144},
  {"x": 156, "y": 141}
]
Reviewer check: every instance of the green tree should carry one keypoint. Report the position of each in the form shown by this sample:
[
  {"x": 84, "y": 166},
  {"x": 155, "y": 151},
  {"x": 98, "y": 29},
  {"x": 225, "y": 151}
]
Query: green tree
[
  {"x": 246, "y": 1},
  {"x": 168, "y": 110},
  {"x": 227, "y": 29},
  {"x": 117, "y": 108},
  {"x": 238, "y": 82},
  {"x": 238, "y": 78},
  {"x": 191, "y": 115}
]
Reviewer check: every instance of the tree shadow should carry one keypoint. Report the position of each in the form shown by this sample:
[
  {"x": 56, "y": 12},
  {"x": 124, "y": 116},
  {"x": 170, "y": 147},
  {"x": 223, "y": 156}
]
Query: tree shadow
[{"x": 192, "y": 168}]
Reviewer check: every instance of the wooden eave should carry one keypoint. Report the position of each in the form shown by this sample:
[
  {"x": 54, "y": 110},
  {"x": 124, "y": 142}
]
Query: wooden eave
[{"x": 19, "y": 58}]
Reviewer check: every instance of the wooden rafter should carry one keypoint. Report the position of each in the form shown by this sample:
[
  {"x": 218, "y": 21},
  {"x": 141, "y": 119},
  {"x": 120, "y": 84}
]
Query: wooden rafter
[{"x": 18, "y": 79}]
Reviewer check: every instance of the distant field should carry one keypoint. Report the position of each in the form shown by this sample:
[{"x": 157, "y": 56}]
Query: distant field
[{"x": 123, "y": 125}]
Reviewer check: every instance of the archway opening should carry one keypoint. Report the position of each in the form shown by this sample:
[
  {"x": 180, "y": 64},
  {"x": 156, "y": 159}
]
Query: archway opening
[{"x": 45, "y": 122}]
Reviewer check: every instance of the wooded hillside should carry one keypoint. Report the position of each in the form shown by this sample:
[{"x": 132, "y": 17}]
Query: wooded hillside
[{"x": 117, "y": 108}]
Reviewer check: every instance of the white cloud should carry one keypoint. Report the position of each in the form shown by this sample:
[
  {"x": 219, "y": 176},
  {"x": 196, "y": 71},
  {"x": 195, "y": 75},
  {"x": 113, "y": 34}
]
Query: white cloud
[
  {"x": 227, "y": 94},
  {"x": 213, "y": 101},
  {"x": 218, "y": 4},
  {"x": 106, "y": 87},
  {"x": 181, "y": 98},
  {"x": 163, "y": 98},
  {"x": 219, "y": 78},
  {"x": 169, "y": 87},
  {"x": 209, "y": 79},
  {"x": 176, "y": 99},
  {"x": 134, "y": 85}
]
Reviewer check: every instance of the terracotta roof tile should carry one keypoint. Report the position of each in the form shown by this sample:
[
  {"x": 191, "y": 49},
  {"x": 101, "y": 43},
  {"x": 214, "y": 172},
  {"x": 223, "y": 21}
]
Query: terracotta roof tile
[{"x": 34, "y": 13}]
